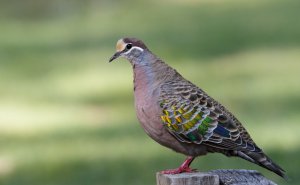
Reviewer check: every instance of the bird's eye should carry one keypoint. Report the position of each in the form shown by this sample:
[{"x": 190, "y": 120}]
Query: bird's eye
[{"x": 128, "y": 46}]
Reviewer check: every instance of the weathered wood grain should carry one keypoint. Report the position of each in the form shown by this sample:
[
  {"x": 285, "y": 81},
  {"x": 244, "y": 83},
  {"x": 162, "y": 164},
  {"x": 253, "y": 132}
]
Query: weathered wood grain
[{"x": 215, "y": 177}]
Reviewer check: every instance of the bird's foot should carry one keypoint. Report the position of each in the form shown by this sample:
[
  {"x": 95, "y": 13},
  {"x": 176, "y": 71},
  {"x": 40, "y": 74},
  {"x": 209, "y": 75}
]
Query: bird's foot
[
  {"x": 185, "y": 167},
  {"x": 179, "y": 170}
]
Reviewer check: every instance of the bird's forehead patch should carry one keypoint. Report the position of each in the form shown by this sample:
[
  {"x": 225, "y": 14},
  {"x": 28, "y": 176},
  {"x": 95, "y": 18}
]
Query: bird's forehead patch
[{"x": 120, "y": 45}]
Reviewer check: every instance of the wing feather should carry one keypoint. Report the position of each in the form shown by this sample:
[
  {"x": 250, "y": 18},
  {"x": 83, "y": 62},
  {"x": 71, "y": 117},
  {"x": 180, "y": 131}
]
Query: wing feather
[{"x": 192, "y": 116}]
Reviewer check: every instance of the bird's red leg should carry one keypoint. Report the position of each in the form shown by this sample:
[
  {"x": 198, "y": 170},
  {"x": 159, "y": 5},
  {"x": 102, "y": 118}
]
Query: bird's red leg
[{"x": 185, "y": 167}]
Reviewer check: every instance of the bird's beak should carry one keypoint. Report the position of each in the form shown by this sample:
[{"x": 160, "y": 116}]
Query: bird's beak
[{"x": 115, "y": 56}]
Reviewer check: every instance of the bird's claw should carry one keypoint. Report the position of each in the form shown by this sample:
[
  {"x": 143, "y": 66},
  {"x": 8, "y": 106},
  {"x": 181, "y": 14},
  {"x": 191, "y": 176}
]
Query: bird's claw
[{"x": 179, "y": 170}]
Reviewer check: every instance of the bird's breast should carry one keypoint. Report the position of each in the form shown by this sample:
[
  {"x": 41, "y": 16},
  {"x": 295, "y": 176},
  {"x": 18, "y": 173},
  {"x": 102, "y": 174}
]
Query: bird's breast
[{"x": 148, "y": 111}]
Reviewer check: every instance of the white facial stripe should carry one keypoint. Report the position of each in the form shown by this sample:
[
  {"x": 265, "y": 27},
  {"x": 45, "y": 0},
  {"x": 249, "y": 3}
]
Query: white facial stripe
[{"x": 134, "y": 47}]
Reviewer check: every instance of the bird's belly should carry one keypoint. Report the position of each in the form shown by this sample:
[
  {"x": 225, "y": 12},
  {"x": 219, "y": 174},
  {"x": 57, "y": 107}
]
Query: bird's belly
[{"x": 150, "y": 120}]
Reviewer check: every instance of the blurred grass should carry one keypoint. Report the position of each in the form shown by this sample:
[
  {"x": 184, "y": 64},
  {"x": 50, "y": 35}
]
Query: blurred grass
[{"x": 67, "y": 116}]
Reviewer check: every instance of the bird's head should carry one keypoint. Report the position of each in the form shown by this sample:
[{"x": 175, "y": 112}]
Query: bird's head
[{"x": 129, "y": 48}]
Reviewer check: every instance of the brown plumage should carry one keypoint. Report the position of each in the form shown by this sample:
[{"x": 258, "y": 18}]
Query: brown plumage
[{"x": 179, "y": 115}]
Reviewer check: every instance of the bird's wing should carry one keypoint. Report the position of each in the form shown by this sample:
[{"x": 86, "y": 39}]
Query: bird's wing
[{"x": 194, "y": 117}]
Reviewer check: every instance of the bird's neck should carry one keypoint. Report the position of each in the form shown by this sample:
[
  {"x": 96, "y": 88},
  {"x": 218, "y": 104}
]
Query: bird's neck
[{"x": 148, "y": 75}]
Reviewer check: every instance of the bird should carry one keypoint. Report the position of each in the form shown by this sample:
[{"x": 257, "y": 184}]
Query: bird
[{"x": 181, "y": 116}]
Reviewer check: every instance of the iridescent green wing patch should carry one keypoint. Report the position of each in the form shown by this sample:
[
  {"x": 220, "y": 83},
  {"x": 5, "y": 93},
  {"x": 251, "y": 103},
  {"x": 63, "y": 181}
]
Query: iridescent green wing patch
[
  {"x": 204, "y": 126},
  {"x": 188, "y": 122}
]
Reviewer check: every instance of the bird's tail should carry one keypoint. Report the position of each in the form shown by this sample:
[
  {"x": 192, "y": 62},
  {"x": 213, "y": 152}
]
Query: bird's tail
[{"x": 262, "y": 160}]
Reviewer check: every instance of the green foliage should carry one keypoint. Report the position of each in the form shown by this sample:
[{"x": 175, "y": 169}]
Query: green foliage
[{"x": 67, "y": 116}]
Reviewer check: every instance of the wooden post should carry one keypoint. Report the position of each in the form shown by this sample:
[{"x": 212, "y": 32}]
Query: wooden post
[
  {"x": 187, "y": 179},
  {"x": 215, "y": 177}
]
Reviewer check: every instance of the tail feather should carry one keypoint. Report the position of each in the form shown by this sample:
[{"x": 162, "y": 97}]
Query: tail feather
[{"x": 262, "y": 160}]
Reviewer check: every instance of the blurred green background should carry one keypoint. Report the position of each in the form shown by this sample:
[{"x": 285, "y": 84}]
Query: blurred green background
[{"x": 67, "y": 116}]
